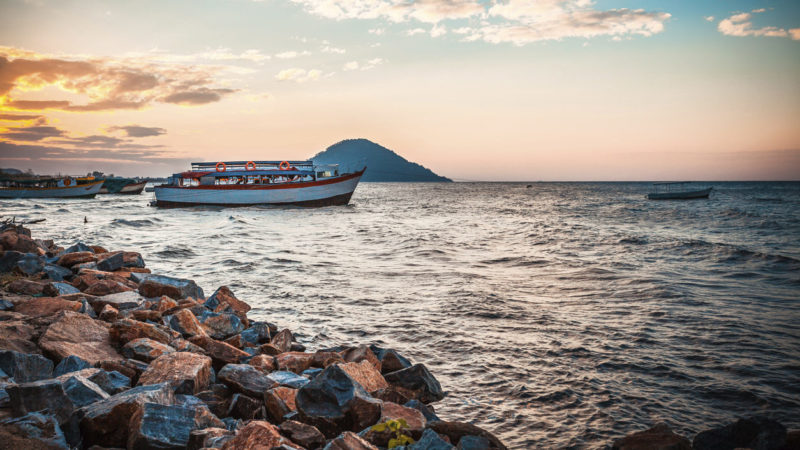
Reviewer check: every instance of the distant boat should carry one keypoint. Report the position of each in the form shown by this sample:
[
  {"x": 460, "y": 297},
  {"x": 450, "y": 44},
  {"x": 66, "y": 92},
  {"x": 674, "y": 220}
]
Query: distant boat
[
  {"x": 240, "y": 183},
  {"x": 127, "y": 186},
  {"x": 149, "y": 189},
  {"x": 678, "y": 191},
  {"x": 49, "y": 187}
]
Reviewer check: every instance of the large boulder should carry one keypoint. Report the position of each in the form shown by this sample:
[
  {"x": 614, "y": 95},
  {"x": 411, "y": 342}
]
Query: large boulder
[
  {"x": 416, "y": 382},
  {"x": 145, "y": 349},
  {"x": 177, "y": 288},
  {"x": 18, "y": 336},
  {"x": 366, "y": 374},
  {"x": 361, "y": 353},
  {"x": 32, "y": 431},
  {"x": 110, "y": 261},
  {"x": 19, "y": 242},
  {"x": 257, "y": 434},
  {"x": 279, "y": 402},
  {"x": 659, "y": 437},
  {"x": 223, "y": 300},
  {"x": 257, "y": 334},
  {"x": 283, "y": 340},
  {"x": 82, "y": 391},
  {"x": 156, "y": 426},
  {"x": 125, "y": 330},
  {"x": 221, "y": 325},
  {"x": 25, "y": 367},
  {"x": 74, "y": 258},
  {"x": 79, "y": 335},
  {"x": 132, "y": 260},
  {"x": 756, "y": 433},
  {"x": 79, "y": 247},
  {"x": 57, "y": 273},
  {"x": 220, "y": 352},
  {"x": 246, "y": 379},
  {"x": 431, "y": 440},
  {"x": 112, "y": 382},
  {"x": 30, "y": 264},
  {"x": 188, "y": 373},
  {"x": 106, "y": 423},
  {"x": 43, "y": 395},
  {"x": 295, "y": 362},
  {"x": 334, "y": 401},
  {"x": 209, "y": 438},
  {"x": 185, "y": 323}
]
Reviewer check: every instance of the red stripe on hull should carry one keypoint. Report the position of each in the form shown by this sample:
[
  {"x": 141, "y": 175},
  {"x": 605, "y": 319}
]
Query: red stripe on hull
[{"x": 338, "y": 200}]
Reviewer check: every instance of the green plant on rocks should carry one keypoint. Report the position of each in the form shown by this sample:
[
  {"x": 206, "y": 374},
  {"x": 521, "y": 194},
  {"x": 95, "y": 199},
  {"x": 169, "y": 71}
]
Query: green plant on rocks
[{"x": 396, "y": 428}]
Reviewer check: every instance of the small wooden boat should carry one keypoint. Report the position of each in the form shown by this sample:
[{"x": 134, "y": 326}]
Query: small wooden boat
[
  {"x": 49, "y": 187},
  {"x": 127, "y": 186},
  {"x": 247, "y": 183},
  {"x": 678, "y": 191}
]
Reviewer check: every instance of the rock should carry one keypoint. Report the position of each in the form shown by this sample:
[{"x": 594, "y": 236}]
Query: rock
[
  {"x": 17, "y": 336},
  {"x": 98, "y": 249},
  {"x": 303, "y": 434},
  {"x": 165, "y": 303},
  {"x": 8, "y": 260},
  {"x": 415, "y": 420},
  {"x": 295, "y": 362},
  {"x": 366, "y": 374},
  {"x": 18, "y": 242},
  {"x": 79, "y": 247},
  {"x": 244, "y": 407},
  {"x": 6, "y": 305},
  {"x": 69, "y": 364},
  {"x": 264, "y": 363},
  {"x": 177, "y": 288},
  {"x": 110, "y": 262},
  {"x": 126, "y": 330},
  {"x": 182, "y": 345},
  {"x": 81, "y": 391},
  {"x": 74, "y": 258},
  {"x": 283, "y": 340},
  {"x": 132, "y": 260},
  {"x": 756, "y": 433},
  {"x": 220, "y": 352},
  {"x": 279, "y": 402},
  {"x": 40, "y": 395},
  {"x": 112, "y": 382},
  {"x": 349, "y": 441},
  {"x": 288, "y": 379},
  {"x": 109, "y": 314},
  {"x": 188, "y": 373},
  {"x": 217, "y": 398},
  {"x": 426, "y": 410},
  {"x": 361, "y": 353},
  {"x": 208, "y": 438},
  {"x": 120, "y": 301},
  {"x": 657, "y": 437},
  {"x": 155, "y": 426},
  {"x": 45, "y": 306},
  {"x": 322, "y": 359},
  {"x": 334, "y": 401},
  {"x": 269, "y": 349},
  {"x": 106, "y": 287},
  {"x": 474, "y": 443},
  {"x": 430, "y": 440},
  {"x": 143, "y": 315},
  {"x": 223, "y": 300},
  {"x": 79, "y": 335},
  {"x": 455, "y": 430},
  {"x": 24, "y": 367},
  {"x": 257, "y": 434},
  {"x": 26, "y": 287},
  {"x": 390, "y": 394},
  {"x": 106, "y": 423},
  {"x": 245, "y": 379},
  {"x": 185, "y": 323},
  {"x": 145, "y": 349},
  {"x": 30, "y": 264},
  {"x": 221, "y": 326},
  {"x": 416, "y": 382},
  {"x": 32, "y": 431},
  {"x": 257, "y": 334},
  {"x": 57, "y": 273}
]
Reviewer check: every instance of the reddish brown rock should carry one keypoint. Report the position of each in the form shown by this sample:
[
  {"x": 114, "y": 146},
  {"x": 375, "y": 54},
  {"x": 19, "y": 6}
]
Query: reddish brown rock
[
  {"x": 98, "y": 250},
  {"x": 245, "y": 408},
  {"x": 71, "y": 259},
  {"x": 80, "y": 335},
  {"x": 188, "y": 373},
  {"x": 109, "y": 314},
  {"x": 44, "y": 306},
  {"x": 660, "y": 437},
  {"x": 257, "y": 435},
  {"x": 154, "y": 289},
  {"x": 165, "y": 303},
  {"x": 144, "y": 315},
  {"x": 185, "y": 323},
  {"x": 390, "y": 394},
  {"x": 122, "y": 367},
  {"x": 106, "y": 287},
  {"x": 145, "y": 349},
  {"x": 325, "y": 359},
  {"x": 269, "y": 349},
  {"x": 26, "y": 287},
  {"x": 349, "y": 441},
  {"x": 295, "y": 362},
  {"x": 223, "y": 300},
  {"x": 235, "y": 341},
  {"x": 182, "y": 345},
  {"x": 17, "y": 336},
  {"x": 366, "y": 375},
  {"x": 279, "y": 402},
  {"x": 207, "y": 437},
  {"x": 303, "y": 434},
  {"x": 414, "y": 418},
  {"x": 220, "y": 352},
  {"x": 245, "y": 379},
  {"x": 454, "y": 431},
  {"x": 265, "y": 363},
  {"x": 132, "y": 260},
  {"x": 361, "y": 353},
  {"x": 283, "y": 340},
  {"x": 11, "y": 240},
  {"x": 126, "y": 330}
]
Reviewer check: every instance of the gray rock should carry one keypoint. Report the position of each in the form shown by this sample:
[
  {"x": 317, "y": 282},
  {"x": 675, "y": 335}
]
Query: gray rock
[
  {"x": 245, "y": 379},
  {"x": 161, "y": 427},
  {"x": 111, "y": 263},
  {"x": 79, "y": 247},
  {"x": 30, "y": 264},
  {"x": 56, "y": 289},
  {"x": 25, "y": 367},
  {"x": 221, "y": 326},
  {"x": 120, "y": 300},
  {"x": 244, "y": 407},
  {"x": 185, "y": 288},
  {"x": 474, "y": 443},
  {"x": 427, "y": 411},
  {"x": 69, "y": 364},
  {"x": 6, "y": 305},
  {"x": 289, "y": 379},
  {"x": 8, "y": 260},
  {"x": 430, "y": 440},
  {"x": 419, "y": 381},
  {"x": 83, "y": 392},
  {"x": 41, "y": 395},
  {"x": 34, "y": 431},
  {"x": 112, "y": 382},
  {"x": 257, "y": 334},
  {"x": 56, "y": 272}
]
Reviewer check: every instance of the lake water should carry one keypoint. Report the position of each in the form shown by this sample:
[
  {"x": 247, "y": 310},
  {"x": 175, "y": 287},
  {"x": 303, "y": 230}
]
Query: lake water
[{"x": 561, "y": 315}]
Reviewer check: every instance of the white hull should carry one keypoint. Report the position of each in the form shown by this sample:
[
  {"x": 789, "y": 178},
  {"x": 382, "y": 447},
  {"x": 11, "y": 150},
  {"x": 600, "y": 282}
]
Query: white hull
[
  {"x": 333, "y": 191},
  {"x": 78, "y": 191}
]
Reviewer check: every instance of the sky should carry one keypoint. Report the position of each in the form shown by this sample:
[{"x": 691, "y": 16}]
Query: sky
[{"x": 472, "y": 89}]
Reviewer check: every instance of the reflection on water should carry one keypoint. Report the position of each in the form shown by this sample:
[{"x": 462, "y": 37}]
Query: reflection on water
[{"x": 560, "y": 315}]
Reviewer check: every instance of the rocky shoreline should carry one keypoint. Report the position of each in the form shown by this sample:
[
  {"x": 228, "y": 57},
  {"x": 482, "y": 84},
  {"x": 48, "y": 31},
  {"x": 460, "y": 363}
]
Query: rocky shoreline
[{"x": 97, "y": 352}]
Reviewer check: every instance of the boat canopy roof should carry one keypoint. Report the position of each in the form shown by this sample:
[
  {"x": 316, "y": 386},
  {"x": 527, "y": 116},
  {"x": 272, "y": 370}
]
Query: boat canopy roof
[
  {"x": 244, "y": 173},
  {"x": 235, "y": 164}
]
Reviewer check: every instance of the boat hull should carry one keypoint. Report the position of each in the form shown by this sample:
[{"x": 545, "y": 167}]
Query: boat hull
[
  {"x": 685, "y": 195},
  {"x": 330, "y": 192},
  {"x": 122, "y": 186},
  {"x": 133, "y": 188},
  {"x": 79, "y": 191}
]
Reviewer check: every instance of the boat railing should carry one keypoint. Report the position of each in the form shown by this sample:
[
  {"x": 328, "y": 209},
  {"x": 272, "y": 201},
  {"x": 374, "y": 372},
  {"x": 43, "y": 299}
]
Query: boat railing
[{"x": 243, "y": 165}]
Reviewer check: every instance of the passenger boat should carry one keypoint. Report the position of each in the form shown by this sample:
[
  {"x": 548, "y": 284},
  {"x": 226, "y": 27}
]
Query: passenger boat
[
  {"x": 118, "y": 185},
  {"x": 247, "y": 183},
  {"x": 49, "y": 187},
  {"x": 678, "y": 191}
]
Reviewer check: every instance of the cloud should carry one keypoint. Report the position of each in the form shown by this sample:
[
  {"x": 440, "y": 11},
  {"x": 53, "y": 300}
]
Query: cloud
[
  {"x": 138, "y": 130},
  {"x": 352, "y": 65},
  {"x": 377, "y": 31},
  {"x": 414, "y": 31},
  {"x": 334, "y": 50},
  {"x": 32, "y": 134},
  {"x": 105, "y": 83},
  {"x": 741, "y": 25},
  {"x": 291, "y": 54},
  {"x": 501, "y": 21},
  {"x": 709, "y": 18},
  {"x": 298, "y": 75},
  {"x": 366, "y": 65},
  {"x": 20, "y": 117}
]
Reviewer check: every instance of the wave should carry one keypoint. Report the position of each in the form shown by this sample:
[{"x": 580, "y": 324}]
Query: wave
[{"x": 135, "y": 223}]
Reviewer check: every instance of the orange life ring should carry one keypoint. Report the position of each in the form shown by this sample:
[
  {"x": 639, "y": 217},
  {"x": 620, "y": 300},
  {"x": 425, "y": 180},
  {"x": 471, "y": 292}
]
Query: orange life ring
[
  {"x": 67, "y": 181},
  {"x": 284, "y": 165},
  {"x": 224, "y": 167},
  {"x": 249, "y": 165}
]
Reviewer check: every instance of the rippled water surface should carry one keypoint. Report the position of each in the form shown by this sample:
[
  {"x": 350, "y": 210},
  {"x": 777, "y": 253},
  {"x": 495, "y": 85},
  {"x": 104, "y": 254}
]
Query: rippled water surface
[{"x": 561, "y": 315}]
